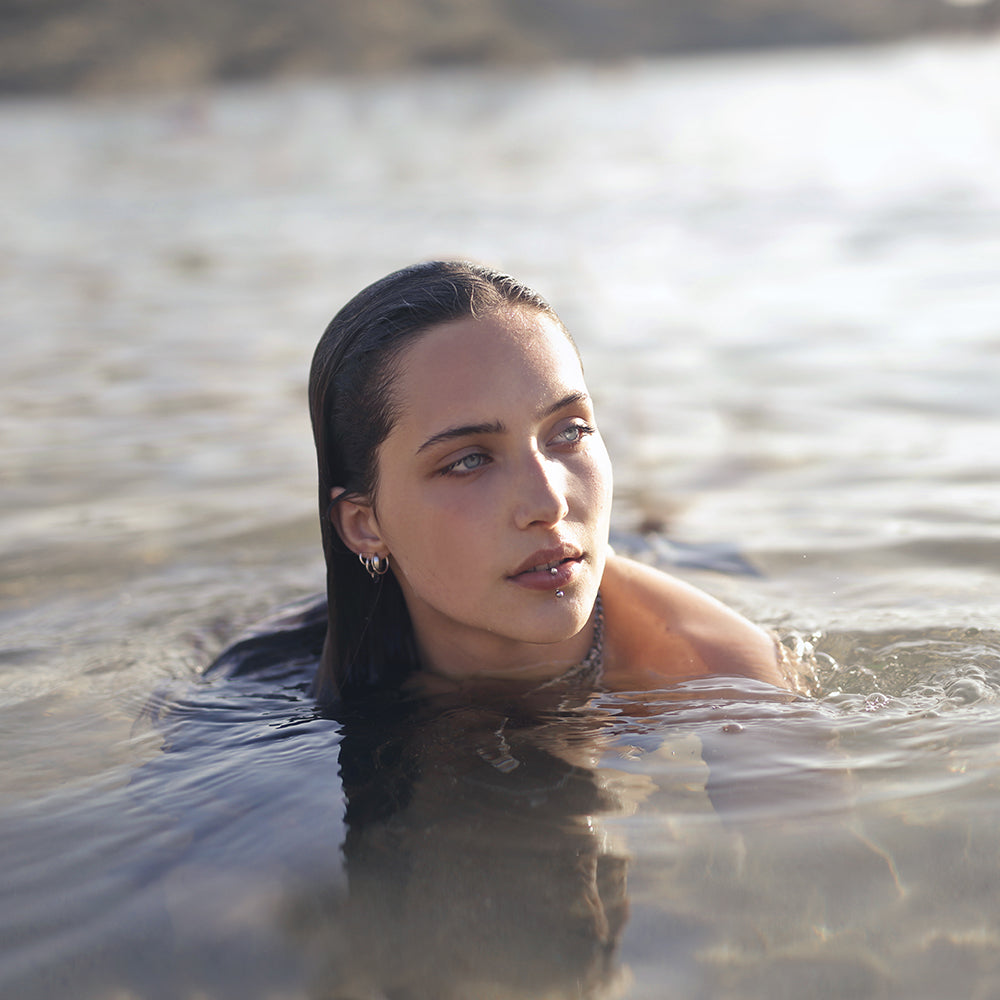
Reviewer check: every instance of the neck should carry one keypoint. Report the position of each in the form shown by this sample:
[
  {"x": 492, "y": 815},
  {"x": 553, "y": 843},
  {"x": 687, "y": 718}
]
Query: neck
[{"x": 495, "y": 657}]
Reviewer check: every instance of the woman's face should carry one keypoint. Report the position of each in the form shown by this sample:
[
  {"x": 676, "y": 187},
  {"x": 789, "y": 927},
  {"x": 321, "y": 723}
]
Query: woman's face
[{"x": 493, "y": 476}]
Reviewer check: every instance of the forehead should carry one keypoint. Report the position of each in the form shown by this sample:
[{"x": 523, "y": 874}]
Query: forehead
[{"x": 474, "y": 366}]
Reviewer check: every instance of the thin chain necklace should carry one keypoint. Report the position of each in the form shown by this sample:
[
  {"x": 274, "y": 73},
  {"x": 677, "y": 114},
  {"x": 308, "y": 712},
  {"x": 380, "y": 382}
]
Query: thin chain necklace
[
  {"x": 591, "y": 668},
  {"x": 585, "y": 674}
]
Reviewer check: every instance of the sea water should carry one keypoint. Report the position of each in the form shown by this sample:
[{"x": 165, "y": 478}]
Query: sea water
[{"x": 783, "y": 273}]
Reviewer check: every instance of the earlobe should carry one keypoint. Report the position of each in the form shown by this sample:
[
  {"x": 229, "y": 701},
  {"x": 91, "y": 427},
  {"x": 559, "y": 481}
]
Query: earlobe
[{"x": 356, "y": 524}]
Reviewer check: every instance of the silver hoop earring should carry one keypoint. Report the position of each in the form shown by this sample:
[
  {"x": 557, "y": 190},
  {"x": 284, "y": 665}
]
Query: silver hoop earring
[{"x": 374, "y": 565}]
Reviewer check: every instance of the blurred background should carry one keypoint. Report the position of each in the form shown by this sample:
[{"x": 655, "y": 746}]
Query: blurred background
[{"x": 113, "y": 45}]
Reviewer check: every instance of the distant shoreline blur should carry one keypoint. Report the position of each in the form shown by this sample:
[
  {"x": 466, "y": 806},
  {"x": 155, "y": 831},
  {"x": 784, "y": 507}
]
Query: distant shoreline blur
[{"x": 109, "y": 46}]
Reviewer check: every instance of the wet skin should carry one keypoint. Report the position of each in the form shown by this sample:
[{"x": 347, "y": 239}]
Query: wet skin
[{"x": 494, "y": 494}]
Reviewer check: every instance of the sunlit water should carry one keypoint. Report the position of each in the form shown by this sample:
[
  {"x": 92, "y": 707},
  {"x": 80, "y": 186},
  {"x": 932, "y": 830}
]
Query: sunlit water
[{"x": 784, "y": 275}]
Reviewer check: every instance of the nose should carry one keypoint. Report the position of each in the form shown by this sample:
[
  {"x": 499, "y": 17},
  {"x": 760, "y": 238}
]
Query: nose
[{"x": 540, "y": 496}]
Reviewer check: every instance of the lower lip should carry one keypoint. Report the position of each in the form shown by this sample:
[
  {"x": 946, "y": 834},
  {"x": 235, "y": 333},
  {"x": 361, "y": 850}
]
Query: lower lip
[{"x": 545, "y": 579}]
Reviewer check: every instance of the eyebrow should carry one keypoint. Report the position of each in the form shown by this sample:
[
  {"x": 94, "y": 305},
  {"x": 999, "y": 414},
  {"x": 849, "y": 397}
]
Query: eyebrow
[{"x": 496, "y": 426}]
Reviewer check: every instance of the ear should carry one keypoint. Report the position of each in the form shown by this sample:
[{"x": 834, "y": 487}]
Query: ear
[{"x": 357, "y": 525}]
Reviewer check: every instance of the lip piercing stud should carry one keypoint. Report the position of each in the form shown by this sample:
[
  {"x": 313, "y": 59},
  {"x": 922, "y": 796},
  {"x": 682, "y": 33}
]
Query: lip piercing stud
[
  {"x": 559, "y": 593},
  {"x": 553, "y": 570}
]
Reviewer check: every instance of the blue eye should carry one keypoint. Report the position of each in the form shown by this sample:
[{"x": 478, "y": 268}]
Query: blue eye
[
  {"x": 467, "y": 463},
  {"x": 574, "y": 434}
]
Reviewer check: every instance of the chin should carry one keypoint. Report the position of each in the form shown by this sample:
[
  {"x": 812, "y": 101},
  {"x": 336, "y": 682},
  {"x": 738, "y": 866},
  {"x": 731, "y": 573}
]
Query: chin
[{"x": 572, "y": 612}]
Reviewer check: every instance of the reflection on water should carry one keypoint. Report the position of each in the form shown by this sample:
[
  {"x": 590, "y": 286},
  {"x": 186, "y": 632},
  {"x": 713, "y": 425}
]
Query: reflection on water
[
  {"x": 475, "y": 862},
  {"x": 784, "y": 276},
  {"x": 414, "y": 849},
  {"x": 708, "y": 840}
]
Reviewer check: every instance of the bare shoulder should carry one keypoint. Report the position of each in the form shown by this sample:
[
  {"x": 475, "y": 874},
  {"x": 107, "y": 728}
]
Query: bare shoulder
[{"x": 659, "y": 627}]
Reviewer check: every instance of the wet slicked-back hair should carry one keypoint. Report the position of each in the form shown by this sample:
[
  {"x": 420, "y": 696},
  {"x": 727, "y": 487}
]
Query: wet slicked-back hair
[{"x": 370, "y": 642}]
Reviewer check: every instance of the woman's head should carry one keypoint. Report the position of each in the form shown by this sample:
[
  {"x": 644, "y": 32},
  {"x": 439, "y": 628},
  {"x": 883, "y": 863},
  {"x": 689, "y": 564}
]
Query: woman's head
[
  {"x": 426, "y": 353},
  {"x": 350, "y": 397}
]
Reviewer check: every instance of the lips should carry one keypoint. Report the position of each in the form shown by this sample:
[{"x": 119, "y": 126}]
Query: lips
[{"x": 548, "y": 569}]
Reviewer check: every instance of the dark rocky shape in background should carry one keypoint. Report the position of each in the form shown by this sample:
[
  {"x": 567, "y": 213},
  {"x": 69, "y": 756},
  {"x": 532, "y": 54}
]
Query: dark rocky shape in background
[{"x": 58, "y": 46}]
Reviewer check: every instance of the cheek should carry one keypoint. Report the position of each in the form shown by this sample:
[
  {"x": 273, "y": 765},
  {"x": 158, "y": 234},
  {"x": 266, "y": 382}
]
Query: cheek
[
  {"x": 432, "y": 534},
  {"x": 598, "y": 480},
  {"x": 443, "y": 557}
]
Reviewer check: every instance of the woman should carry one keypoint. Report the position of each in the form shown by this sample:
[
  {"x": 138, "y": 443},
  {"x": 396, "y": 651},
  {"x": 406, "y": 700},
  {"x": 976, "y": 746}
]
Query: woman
[{"x": 465, "y": 497}]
